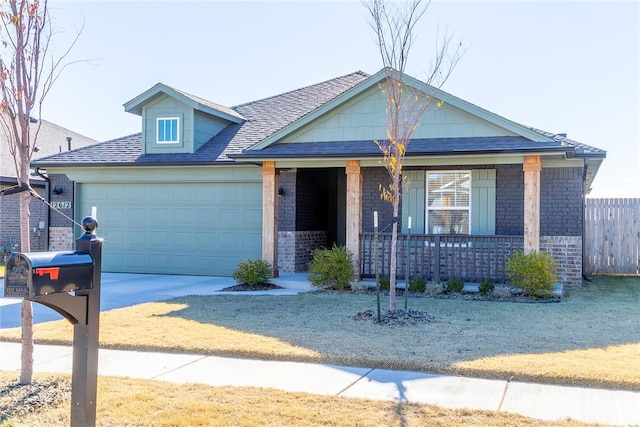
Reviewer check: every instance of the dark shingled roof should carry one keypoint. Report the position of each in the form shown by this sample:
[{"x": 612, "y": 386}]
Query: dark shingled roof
[
  {"x": 52, "y": 139},
  {"x": 580, "y": 148},
  {"x": 267, "y": 116},
  {"x": 264, "y": 117}
]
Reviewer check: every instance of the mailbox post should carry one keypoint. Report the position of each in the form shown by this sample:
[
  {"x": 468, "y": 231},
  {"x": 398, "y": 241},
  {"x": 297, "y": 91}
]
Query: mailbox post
[
  {"x": 46, "y": 278},
  {"x": 84, "y": 377}
]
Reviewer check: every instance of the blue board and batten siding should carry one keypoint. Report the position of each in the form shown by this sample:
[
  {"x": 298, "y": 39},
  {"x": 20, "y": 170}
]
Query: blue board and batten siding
[
  {"x": 365, "y": 118},
  {"x": 195, "y": 127}
]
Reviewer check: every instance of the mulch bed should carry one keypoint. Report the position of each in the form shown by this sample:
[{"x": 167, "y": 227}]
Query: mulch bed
[
  {"x": 399, "y": 317},
  {"x": 19, "y": 400},
  {"x": 249, "y": 288}
]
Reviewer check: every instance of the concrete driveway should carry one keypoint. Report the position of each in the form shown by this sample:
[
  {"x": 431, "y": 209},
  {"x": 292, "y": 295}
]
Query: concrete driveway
[{"x": 123, "y": 290}]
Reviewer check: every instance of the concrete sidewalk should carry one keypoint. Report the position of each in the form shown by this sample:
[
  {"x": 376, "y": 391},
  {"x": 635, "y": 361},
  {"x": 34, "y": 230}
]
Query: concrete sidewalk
[{"x": 546, "y": 402}]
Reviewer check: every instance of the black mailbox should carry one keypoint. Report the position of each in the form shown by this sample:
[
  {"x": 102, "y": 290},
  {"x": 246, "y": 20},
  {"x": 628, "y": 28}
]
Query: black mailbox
[{"x": 42, "y": 273}]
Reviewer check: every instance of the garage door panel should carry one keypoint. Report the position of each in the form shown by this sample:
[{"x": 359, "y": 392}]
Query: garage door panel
[
  {"x": 159, "y": 238},
  {"x": 230, "y": 194},
  {"x": 115, "y": 193},
  {"x": 112, "y": 215},
  {"x": 206, "y": 217},
  {"x": 160, "y": 216},
  {"x": 158, "y": 193},
  {"x": 182, "y": 194},
  {"x": 207, "y": 194},
  {"x": 137, "y": 216},
  {"x": 207, "y": 241},
  {"x": 137, "y": 193},
  {"x": 159, "y": 262},
  {"x": 252, "y": 193},
  {"x": 177, "y": 228}
]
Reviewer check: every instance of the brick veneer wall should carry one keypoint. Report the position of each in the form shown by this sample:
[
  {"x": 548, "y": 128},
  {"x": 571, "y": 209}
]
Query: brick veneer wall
[
  {"x": 560, "y": 201},
  {"x": 287, "y": 202},
  {"x": 10, "y": 220},
  {"x": 371, "y": 201},
  {"x": 567, "y": 251},
  {"x": 61, "y": 181},
  {"x": 60, "y": 238},
  {"x": 299, "y": 229},
  {"x": 509, "y": 200},
  {"x": 561, "y": 204},
  {"x": 295, "y": 249}
]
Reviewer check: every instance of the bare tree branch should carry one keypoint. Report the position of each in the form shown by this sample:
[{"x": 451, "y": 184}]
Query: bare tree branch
[
  {"x": 394, "y": 24},
  {"x": 25, "y": 80}
]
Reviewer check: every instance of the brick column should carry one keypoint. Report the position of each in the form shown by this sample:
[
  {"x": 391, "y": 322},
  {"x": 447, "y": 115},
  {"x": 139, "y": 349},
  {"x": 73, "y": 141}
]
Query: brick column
[
  {"x": 531, "y": 167},
  {"x": 354, "y": 211},
  {"x": 270, "y": 215}
]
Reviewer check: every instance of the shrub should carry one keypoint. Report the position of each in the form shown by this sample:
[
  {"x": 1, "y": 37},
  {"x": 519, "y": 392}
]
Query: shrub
[
  {"x": 534, "y": 273},
  {"x": 417, "y": 284},
  {"x": 455, "y": 285},
  {"x": 485, "y": 287},
  {"x": 331, "y": 268},
  {"x": 385, "y": 283},
  {"x": 434, "y": 288},
  {"x": 252, "y": 272}
]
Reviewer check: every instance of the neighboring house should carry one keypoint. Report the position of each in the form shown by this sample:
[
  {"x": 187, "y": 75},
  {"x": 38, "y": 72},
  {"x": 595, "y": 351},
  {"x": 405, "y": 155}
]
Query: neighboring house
[
  {"x": 51, "y": 139},
  {"x": 204, "y": 186}
]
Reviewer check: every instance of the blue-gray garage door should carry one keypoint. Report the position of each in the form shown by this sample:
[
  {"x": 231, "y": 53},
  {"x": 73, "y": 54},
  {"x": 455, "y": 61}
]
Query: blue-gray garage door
[{"x": 199, "y": 228}]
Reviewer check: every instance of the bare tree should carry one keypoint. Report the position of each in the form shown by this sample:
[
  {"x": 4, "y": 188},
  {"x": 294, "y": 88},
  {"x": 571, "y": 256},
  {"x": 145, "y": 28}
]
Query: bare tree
[
  {"x": 394, "y": 25},
  {"x": 27, "y": 73}
]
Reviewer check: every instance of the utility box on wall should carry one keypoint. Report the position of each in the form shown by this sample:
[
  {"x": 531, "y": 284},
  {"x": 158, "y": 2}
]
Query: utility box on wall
[{"x": 35, "y": 274}]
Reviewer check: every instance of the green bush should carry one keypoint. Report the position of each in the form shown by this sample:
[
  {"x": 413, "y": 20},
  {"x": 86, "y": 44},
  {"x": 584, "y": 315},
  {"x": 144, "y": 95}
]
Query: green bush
[
  {"x": 486, "y": 287},
  {"x": 534, "y": 273},
  {"x": 417, "y": 284},
  {"x": 455, "y": 285},
  {"x": 252, "y": 272},
  {"x": 332, "y": 268},
  {"x": 385, "y": 283}
]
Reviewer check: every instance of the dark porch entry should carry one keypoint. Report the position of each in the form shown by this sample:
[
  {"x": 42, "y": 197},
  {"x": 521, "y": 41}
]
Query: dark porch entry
[{"x": 311, "y": 214}]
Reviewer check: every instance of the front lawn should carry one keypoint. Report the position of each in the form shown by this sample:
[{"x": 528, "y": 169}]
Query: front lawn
[
  {"x": 133, "y": 402},
  {"x": 590, "y": 338}
]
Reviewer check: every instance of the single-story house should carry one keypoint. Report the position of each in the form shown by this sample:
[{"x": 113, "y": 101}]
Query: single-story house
[
  {"x": 51, "y": 139},
  {"x": 204, "y": 186}
]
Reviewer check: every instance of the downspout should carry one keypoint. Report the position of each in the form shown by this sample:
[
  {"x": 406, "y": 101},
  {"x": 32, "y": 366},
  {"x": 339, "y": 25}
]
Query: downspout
[
  {"x": 584, "y": 227},
  {"x": 47, "y": 198}
]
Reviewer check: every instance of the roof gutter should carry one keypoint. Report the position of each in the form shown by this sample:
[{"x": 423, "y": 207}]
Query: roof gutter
[{"x": 261, "y": 156}]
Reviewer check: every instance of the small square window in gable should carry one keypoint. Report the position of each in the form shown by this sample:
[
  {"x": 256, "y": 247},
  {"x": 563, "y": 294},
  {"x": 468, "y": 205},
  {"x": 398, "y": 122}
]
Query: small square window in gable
[{"x": 168, "y": 130}]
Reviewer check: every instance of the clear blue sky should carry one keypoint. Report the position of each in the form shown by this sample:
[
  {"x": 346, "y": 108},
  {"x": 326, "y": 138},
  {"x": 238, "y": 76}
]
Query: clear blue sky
[{"x": 566, "y": 67}]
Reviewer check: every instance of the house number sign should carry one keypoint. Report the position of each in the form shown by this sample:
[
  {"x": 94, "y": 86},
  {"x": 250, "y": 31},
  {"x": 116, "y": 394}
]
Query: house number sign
[{"x": 61, "y": 205}]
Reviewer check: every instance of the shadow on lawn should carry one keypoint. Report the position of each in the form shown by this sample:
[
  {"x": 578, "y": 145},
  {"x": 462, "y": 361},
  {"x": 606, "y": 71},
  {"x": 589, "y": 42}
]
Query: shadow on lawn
[{"x": 599, "y": 315}]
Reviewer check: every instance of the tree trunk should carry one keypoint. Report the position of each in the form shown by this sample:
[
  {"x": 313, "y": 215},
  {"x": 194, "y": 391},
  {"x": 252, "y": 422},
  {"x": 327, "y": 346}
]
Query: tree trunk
[
  {"x": 392, "y": 268},
  {"x": 394, "y": 243},
  {"x": 26, "y": 359}
]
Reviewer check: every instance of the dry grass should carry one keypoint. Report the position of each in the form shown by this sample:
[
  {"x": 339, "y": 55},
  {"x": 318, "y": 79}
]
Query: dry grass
[
  {"x": 591, "y": 338},
  {"x": 128, "y": 402}
]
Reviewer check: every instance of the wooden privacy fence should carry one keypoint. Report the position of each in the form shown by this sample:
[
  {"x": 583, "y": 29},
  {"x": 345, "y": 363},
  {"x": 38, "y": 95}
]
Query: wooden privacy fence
[{"x": 612, "y": 236}]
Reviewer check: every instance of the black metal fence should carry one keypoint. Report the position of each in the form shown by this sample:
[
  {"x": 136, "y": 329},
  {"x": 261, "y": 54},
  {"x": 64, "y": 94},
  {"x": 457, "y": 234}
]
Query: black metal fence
[{"x": 439, "y": 256}]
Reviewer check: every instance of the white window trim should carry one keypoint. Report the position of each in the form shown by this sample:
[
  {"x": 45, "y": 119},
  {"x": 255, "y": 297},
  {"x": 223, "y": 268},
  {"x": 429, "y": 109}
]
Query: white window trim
[
  {"x": 177, "y": 141},
  {"x": 452, "y": 208}
]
